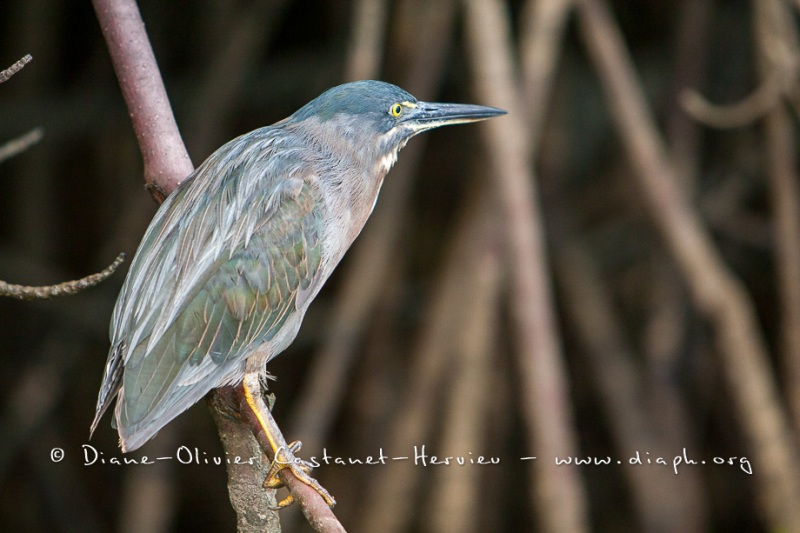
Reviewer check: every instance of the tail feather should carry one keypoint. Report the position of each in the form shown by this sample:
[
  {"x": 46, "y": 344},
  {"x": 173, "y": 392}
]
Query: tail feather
[{"x": 112, "y": 381}]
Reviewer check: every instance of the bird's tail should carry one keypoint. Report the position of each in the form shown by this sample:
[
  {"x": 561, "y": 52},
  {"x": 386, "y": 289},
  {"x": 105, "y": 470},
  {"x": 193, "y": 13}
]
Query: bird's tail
[{"x": 112, "y": 381}]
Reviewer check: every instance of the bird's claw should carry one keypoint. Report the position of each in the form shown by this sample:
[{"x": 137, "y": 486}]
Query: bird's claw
[{"x": 285, "y": 458}]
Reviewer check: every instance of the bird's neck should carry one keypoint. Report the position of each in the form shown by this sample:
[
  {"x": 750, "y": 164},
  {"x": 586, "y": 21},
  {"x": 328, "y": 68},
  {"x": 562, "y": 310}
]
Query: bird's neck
[
  {"x": 354, "y": 162},
  {"x": 352, "y": 170}
]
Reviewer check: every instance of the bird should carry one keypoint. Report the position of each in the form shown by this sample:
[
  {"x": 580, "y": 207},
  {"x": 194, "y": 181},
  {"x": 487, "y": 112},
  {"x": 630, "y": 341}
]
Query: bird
[{"x": 232, "y": 259}]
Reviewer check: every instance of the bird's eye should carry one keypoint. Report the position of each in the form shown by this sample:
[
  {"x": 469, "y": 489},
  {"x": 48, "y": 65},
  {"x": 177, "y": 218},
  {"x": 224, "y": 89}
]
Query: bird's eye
[{"x": 395, "y": 110}]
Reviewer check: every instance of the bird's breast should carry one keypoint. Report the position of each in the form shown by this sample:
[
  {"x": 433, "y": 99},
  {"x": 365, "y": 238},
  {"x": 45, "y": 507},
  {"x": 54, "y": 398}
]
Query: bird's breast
[{"x": 348, "y": 207}]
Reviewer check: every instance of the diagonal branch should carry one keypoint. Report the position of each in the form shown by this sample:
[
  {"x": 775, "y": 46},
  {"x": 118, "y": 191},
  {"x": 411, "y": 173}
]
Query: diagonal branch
[
  {"x": 166, "y": 164},
  {"x": 20, "y": 144},
  {"x": 558, "y": 492},
  {"x": 714, "y": 288},
  {"x": 13, "y": 69},
  {"x": 776, "y": 36},
  {"x": 372, "y": 253},
  {"x": 24, "y": 292}
]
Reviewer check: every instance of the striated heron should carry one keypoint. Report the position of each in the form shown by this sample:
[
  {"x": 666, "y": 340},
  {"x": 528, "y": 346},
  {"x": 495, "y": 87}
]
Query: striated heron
[{"x": 235, "y": 255}]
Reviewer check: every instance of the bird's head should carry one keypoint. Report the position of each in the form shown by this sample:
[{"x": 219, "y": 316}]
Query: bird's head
[{"x": 378, "y": 118}]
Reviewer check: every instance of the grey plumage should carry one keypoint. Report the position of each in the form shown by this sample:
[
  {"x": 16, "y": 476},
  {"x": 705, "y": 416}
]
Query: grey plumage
[{"x": 232, "y": 259}]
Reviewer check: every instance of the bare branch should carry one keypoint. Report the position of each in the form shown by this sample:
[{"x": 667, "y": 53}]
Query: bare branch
[
  {"x": 16, "y": 67},
  {"x": 558, "y": 492},
  {"x": 714, "y": 288},
  {"x": 315, "y": 509},
  {"x": 367, "y": 37},
  {"x": 372, "y": 253},
  {"x": 742, "y": 113},
  {"x": 23, "y": 292},
  {"x": 166, "y": 162},
  {"x": 389, "y": 505},
  {"x": 20, "y": 144},
  {"x": 776, "y": 36},
  {"x": 772, "y": 33}
]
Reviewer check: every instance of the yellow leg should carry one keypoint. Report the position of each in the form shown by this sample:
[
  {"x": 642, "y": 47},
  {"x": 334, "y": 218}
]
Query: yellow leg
[{"x": 283, "y": 453}]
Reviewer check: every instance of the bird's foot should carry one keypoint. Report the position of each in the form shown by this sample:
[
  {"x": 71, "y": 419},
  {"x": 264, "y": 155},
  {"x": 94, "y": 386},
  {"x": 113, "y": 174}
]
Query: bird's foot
[{"x": 285, "y": 458}]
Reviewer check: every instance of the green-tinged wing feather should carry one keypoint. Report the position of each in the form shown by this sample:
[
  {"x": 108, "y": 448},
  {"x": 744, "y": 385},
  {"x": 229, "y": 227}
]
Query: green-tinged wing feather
[
  {"x": 218, "y": 273},
  {"x": 243, "y": 303}
]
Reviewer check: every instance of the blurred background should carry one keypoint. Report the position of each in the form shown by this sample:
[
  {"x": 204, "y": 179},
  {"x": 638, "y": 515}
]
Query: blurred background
[{"x": 611, "y": 271}]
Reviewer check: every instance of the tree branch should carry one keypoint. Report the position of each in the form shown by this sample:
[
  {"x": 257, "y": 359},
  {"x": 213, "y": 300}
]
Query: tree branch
[
  {"x": 781, "y": 140},
  {"x": 776, "y": 37},
  {"x": 166, "y": 162},
  {"x": 24, "y": 292},
  {"x": 558, "y": 492},
  {"x": 714, "y": 288},
  {"x": 316, "y": 511},
  {"x": 16, "y": 67},
  {"x": 369, "y": 259},
  {"x": 20, "y": 144}
]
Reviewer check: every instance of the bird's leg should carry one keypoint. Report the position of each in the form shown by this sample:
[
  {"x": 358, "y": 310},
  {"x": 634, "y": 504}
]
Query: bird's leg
[{"x": 283, "y": 453}]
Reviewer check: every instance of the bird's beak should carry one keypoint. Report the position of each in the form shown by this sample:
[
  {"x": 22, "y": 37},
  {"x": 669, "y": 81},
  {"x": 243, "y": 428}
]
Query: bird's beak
[{"x": 426, "y": 115}]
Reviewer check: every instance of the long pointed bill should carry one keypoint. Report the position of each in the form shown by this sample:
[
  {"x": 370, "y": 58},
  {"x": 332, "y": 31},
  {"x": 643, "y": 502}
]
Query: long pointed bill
[{"x": 426, "y": 116}]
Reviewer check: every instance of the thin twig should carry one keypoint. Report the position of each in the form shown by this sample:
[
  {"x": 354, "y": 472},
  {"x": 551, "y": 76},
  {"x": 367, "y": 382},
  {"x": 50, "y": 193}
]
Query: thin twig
[
  {"x": 24, "y": 292},
  {"x": 16, "y": 67},
  {"x": 20, "y": 144}
]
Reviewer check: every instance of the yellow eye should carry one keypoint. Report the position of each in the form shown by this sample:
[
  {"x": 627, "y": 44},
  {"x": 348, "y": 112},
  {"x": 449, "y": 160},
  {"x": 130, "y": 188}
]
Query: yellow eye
[{"x": 395, "y": 110}]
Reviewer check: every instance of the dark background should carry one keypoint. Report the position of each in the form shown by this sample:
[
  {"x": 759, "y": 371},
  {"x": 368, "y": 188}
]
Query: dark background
[{"x": 74, "y": 200}]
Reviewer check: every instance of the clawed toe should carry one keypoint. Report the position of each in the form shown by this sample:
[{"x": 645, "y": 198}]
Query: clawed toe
[{"x": 285, "y": 458}]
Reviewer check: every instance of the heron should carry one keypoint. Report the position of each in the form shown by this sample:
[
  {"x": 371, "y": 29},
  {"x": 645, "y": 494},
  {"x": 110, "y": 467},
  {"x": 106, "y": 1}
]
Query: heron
[{"x": 236, "y": 254}]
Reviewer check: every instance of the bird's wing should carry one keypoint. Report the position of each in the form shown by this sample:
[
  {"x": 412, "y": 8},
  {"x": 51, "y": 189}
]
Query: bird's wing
[{"x": 218, "y": 271}]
